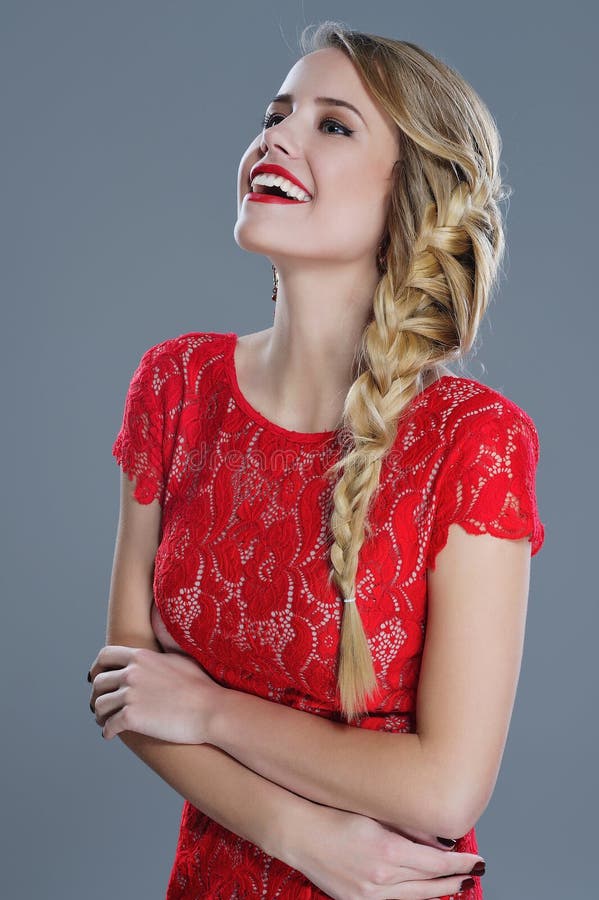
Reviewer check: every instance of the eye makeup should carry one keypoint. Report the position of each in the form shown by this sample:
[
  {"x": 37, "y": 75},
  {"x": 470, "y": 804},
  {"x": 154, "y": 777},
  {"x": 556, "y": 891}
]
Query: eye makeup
[{"x": 266, "y": 122}]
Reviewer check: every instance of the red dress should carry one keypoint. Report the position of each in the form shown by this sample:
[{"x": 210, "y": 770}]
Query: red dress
[{"x": 241, "y": 572}]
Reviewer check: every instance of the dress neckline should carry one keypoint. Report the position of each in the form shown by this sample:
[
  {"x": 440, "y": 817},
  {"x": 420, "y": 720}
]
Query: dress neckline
[{"x": 260, "y": 419}]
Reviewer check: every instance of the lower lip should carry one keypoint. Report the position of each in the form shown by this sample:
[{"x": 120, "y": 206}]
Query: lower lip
[{"x": 271, "y": 198}]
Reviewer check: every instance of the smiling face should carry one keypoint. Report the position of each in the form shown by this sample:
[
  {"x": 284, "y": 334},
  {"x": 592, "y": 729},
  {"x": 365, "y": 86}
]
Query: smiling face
[{"x": 343, "y": 157}]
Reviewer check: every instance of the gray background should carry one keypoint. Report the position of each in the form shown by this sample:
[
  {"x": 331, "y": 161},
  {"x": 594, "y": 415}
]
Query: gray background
[{"x": 122, "y": 127}]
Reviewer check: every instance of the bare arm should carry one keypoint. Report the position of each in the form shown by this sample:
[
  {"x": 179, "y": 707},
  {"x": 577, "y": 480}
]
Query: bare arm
[
  {"x": 234, "y": 796},
  {"x": 439, "y": 780},
  {"x": 341, "y": 852},
  {"x": 384, "y": 776},
  {"x": 231, "y": 794}
]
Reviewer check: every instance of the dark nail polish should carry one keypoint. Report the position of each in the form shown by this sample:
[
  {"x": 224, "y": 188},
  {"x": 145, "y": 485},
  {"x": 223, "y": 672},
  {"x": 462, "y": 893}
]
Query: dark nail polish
[
  {"x": 89, "y": 677},
  {"x": 479, "y": 868},
  {"x": 468, "y": 883},
  {"x": 447, "y": 842},
  {"x": 91, "y": 707}
]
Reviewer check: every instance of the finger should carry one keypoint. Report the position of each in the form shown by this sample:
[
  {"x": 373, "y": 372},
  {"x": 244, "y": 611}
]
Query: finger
[
  {"x": 108, "y": 680},
  {"x": 423, "y": 890},
  {"x": 115, "y": 724},
  {"x": 108, "y": 704},
  {"x": 423, "y": 837},
  {"x": 447, "y": 842},
  {"x": 104, "y": 681},
  {"x": 112, "y": 656},
  {"x": 433, "y": 862},
  {"x": 92, "y": 670}
]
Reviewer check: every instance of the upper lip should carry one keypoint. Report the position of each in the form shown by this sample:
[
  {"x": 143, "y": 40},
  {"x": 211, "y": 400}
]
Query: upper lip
[{"x": 273, "y": 169}]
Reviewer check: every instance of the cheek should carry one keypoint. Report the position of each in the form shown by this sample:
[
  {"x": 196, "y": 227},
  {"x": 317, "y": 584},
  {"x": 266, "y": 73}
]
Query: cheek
[{"x": 359, "y": 207}]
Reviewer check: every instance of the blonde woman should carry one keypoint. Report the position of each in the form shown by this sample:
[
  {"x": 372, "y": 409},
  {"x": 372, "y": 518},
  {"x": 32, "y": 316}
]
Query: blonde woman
[{"x": 319, "y": 590}]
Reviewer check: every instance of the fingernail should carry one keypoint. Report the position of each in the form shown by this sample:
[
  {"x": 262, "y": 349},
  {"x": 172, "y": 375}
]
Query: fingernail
[
  {"x": 468, "y": 883},
  {"x": 479, "y": 868},
  {"x": 448, "y": 842},
  {"x": 89, "y": 676},
  {"x": 91, "y": 707}
]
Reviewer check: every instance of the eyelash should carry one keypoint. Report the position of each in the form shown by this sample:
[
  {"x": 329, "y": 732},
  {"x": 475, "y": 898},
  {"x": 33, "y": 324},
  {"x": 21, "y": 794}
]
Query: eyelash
[{"x": 266, "y": 120}]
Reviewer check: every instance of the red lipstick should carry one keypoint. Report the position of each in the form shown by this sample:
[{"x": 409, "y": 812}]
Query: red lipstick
[
  {"x": 273, "y": 169},
  {"x": 270, "y": 198}
]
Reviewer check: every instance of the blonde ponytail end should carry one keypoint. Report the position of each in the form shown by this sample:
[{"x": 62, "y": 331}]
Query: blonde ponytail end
[{"x": 356, "y": 676}]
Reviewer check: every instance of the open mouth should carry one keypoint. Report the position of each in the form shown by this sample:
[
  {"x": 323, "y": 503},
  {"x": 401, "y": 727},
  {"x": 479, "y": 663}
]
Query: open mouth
[
  {"x": 273, "y": 191},
  {"x": 281, "y": 189}
]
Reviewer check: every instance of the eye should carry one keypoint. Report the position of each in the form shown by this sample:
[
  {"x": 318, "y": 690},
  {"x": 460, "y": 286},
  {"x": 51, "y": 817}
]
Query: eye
[{"x": 266, "y": 123}]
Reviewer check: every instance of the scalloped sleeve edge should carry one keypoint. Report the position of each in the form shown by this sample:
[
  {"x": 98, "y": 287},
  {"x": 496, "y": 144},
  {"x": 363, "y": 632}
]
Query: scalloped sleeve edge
[
  {"x": 137, "y": 448},
  {"x": 527, "y": 524}
]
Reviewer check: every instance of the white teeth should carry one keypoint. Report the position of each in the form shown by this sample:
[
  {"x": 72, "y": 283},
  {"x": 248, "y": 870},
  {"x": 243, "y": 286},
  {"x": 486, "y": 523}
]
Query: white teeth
[{"x": 278, "y": 181}]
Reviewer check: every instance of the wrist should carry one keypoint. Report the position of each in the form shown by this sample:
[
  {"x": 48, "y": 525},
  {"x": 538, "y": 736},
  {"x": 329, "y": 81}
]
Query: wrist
[
  {"x": 219, "y": 722},
  {"x": 287, "y": 830}
]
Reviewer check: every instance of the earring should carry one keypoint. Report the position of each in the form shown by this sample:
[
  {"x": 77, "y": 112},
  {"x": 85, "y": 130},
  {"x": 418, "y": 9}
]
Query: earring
[
  {"x": 275, "y": 284},
  {"x": 381, "y": 259}
]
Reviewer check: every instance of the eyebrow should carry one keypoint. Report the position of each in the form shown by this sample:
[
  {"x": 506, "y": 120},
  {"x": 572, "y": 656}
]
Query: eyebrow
[{"x": 328, "y": 101}]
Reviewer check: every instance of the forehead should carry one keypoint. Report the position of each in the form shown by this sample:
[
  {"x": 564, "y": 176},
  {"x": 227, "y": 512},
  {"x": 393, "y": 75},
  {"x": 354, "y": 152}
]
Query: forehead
[{"x": 331, "y": 73}]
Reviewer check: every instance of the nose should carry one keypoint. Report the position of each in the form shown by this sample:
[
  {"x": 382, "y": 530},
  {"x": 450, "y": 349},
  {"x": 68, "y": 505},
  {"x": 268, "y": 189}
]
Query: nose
[{"x": 280, "y": 137}]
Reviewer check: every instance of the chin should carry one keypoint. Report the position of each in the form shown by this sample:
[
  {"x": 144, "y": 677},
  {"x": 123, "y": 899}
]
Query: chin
[{"x": 247, "y": 238}]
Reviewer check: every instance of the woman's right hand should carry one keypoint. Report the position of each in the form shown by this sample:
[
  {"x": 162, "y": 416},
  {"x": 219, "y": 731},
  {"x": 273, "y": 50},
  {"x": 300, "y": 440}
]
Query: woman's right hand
[{"x": 354, "y": 857}]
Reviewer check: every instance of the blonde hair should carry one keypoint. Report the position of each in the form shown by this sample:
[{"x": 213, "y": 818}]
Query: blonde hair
[{"x": 444, "y": 244}]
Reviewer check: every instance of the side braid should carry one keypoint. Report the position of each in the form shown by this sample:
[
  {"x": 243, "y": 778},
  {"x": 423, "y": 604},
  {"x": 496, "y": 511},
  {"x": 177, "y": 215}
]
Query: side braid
[
  {"x": 406, "y": 335},
  {"x": 444, "y": 242}
]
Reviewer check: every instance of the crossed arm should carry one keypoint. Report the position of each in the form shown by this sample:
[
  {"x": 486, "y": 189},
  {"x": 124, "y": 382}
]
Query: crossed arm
[
  {"x": 435, "y": 782},
  {"x": 440, "y": 779},
  {"x": 229, "y": 793}
]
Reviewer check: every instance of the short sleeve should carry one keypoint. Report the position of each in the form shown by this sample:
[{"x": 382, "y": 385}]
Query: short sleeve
[
  {"x": 139, "y": 445},
  {"x": 487, "y": 481}
]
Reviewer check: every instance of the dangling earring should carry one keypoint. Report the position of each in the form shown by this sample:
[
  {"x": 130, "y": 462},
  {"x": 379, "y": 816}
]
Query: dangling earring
[
  {"x": 275, "y": 284},
  {"x": 381, "y": 258}
]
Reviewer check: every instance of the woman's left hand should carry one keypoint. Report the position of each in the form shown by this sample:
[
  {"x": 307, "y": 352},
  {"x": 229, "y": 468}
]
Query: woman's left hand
[{"x": 163, "y": 695}]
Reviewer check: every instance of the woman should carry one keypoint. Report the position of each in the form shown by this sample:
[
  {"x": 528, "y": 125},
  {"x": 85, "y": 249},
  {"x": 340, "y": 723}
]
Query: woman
[{"x": 336, "y": 529}]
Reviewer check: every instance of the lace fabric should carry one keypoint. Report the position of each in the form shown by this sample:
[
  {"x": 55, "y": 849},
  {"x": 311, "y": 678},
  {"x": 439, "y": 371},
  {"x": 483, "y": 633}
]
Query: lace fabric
[{"x": 241, "y": 573}]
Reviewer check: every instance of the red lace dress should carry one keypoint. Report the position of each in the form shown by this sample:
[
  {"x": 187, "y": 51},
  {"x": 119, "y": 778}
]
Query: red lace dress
[{"x": 241, "y": 572}]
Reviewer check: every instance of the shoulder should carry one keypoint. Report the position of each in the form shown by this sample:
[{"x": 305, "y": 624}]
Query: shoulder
[
  {"x": 485, "y": 465},
  {"x": 176, "y": 362},
  {"x": 179, "y": 350},
  {"x": 468, "y": 408}
]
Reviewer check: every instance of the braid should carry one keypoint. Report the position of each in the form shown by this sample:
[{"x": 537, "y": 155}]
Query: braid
[{"x": 445, "y": 241}]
